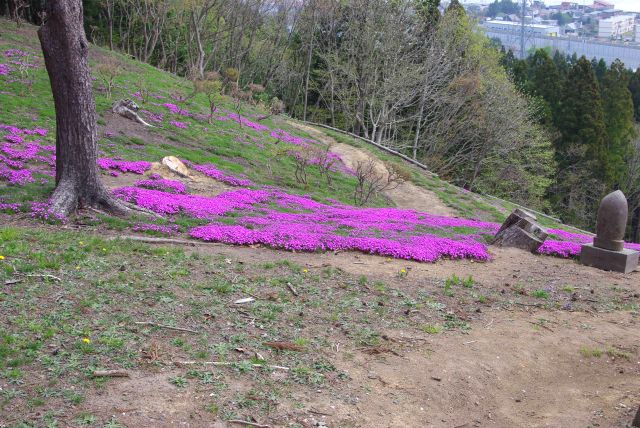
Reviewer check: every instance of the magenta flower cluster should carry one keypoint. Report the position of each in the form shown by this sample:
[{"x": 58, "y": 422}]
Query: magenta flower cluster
[
  {"x": 193, "y": 206},
  {"x": 245, "y": 122},
  {"x": 213, "y": 172},
  {"x": 177, "y": 124},
  {"x": 114, "y": 165},
  {"x": 4, "y": 70},
  {"x": 158, "y": 183},
  {"x": 570, "y": 244}
]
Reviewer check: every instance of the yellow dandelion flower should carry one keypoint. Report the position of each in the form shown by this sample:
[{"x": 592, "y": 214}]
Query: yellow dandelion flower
[
  {"x": 81, "y": 243},
  {"x": 403, "y": 271},
  {"x": 1, "y": 257},
  {"x": 104, "y": 249},
  {"x": 305, "y": 270},
  {"x": 86, "y": 340}
]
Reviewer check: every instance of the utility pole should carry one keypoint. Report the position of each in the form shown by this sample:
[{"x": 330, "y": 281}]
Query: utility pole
[{"x": 524, "y": 10}]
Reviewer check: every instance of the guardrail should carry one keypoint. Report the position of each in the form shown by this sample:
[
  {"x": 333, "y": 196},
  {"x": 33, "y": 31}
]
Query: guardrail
[
  {"x": 426, "y": 169},
  {"x": 380, "y": 146}
]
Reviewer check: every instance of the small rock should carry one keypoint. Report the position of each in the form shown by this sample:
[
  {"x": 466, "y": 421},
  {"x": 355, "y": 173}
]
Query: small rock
[{"x": 175, "y": 165}]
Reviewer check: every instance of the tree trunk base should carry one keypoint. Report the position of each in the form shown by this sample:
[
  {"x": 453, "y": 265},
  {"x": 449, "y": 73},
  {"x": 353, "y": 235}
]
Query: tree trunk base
[{"x": 69, "y": 196}]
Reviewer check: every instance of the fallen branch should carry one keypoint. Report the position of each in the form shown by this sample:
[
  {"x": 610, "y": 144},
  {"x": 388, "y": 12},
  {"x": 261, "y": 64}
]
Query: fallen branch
[
  {"x": 110, "y": 373},
  {"x": 168, "y": 327},
  {"x": 251, "y": 424},
  {"x": 45, "y": 276},
  {"x": 540, "y": 325},
  {"x": 227, "y": 363},
  {"x": 293, "y": 290},
  {"x": 284, "y": 346}
]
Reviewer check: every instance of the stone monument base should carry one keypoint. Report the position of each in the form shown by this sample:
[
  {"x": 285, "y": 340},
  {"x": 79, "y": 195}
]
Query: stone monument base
[{"x": 624, "y": 261}]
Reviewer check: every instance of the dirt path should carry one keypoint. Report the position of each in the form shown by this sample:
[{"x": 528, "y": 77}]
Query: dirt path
[{"x": 407, "y": 195}]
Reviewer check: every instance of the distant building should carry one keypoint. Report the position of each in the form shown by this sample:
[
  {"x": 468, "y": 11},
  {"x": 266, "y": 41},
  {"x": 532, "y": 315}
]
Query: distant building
[
  {"x": 602, "y": 5},
  {"x": 568, "y": 5},
  {"x": 638, "y": 32},
  {"x": 615, "y": 26},
  {"x": 534, "y": 29}
]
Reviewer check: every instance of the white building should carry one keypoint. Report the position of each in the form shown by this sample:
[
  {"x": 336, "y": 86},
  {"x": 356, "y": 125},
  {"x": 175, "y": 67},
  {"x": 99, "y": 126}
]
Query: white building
[
  {"x": 638, "y": 32},
  {"x": 615, "y": 26},
  {"x": 534, "y": 29}
]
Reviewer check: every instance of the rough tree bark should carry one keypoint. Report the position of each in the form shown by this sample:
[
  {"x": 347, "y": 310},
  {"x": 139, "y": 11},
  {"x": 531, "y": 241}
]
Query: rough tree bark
[{"x": 65, "y": 48}]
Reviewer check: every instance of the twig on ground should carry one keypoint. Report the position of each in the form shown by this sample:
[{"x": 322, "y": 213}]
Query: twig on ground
[
  {"x": 228, "y": 363},
  {"x": 489, "y": 325},
  {"x": 165, "y": 326},
  {"x": 251, "y": 424},
  {"x": 12, "y": 281},
  {"x": 469, "y": 342},
  {"x": 312, "y": 410},
  {"x": 540, "y": 325},
  {"x": 535, "y": 305},
  {"x": 293, "y": 290},
  {"x": 111, "y": 373},
  {"x": 45, "y": 276}
]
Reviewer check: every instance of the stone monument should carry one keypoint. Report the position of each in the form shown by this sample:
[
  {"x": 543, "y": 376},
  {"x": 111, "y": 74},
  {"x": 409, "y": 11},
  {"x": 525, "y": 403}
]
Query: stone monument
[
  {"x": 607, "y": 251},
  {"x": 521, "y": 230}
]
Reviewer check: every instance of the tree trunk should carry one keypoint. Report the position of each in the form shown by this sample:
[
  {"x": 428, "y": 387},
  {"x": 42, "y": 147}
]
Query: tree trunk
[{"x": 65, "y": 48}]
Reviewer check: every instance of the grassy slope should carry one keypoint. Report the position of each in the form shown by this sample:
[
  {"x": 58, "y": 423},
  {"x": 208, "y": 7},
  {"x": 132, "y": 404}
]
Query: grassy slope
[{"x": 46, "y": 366}]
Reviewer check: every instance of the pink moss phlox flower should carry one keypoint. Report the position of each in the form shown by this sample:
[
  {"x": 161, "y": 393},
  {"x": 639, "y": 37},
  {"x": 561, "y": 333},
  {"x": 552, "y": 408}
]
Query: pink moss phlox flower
[
  {"x": 213, "y": 172},
  {"x": 18, "y": 177},
  {"x": 246, "y": 122},
  {"x": 136, "y": 167},
  {"x": 11, "y": 129},
  {"x": 283, "y": 135},
  {"x": 560, "y": 248},
  {"x": 175, "y": 109},
  {"x": 36, "y": 131},
  {"x": 13, "y": 138},
  {"x": 195, "y": 206},
  {"x": 170, "y": 186},
  {"x": 178, "y": 124},
  {"x": 12, "y": 53},
  {"x": 42, "y": 211},
  {"x": 9, "y": 207},
  {"x": 4, "y": 70}
]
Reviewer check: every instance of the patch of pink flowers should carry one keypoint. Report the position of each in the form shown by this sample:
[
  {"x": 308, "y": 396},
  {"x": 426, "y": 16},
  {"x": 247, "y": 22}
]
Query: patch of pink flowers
[
  {"x": 213, "y": 172},
  {"x": 246, "y": 122},
  {"x": 178, "y": 124},
  {"x": 170, "y": 186},
  {"x": 136, "y": 167},
  {"x": 4, "y": 70},
  {"x": 191, "y": 205},
  {"x": 291, "y": 139},
  {"x": 175, "y": 109},
  {"x": 570, "y": 244}
]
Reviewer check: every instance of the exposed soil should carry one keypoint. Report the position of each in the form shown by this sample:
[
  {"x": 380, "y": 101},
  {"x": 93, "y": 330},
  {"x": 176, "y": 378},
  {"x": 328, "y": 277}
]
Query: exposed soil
[
  {"x": 407, "y": 195},
  {"x": 518, "y": 365}
]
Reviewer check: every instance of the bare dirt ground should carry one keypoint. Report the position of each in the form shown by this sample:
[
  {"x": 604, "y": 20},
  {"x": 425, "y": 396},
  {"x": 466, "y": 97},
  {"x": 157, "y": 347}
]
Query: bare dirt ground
[
  {"x": 519, "y": 365},
  {"x": 407, "y": 195}
]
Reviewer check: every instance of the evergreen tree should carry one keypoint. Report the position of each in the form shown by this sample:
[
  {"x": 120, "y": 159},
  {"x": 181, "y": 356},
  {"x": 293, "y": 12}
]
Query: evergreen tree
[
  {"x": 581, "y": 119},
  {"x": 581, "y": 150},
  {"x": 456, "y": 7},
  {"x": 428, "y": 12},
  {"x": 634, "y": 87},
  {"x": 545, "y": 80},
  {"x": 600, "y": 68},
  {"x": 618, "y": 115}
]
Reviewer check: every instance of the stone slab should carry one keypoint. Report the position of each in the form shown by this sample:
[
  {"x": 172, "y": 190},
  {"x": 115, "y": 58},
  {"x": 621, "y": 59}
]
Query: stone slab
[{"x": 624, "y": 261}]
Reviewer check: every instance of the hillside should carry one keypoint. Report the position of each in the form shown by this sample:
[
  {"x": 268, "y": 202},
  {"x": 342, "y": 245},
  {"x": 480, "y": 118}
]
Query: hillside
[{"x": 275, "y": 298}]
